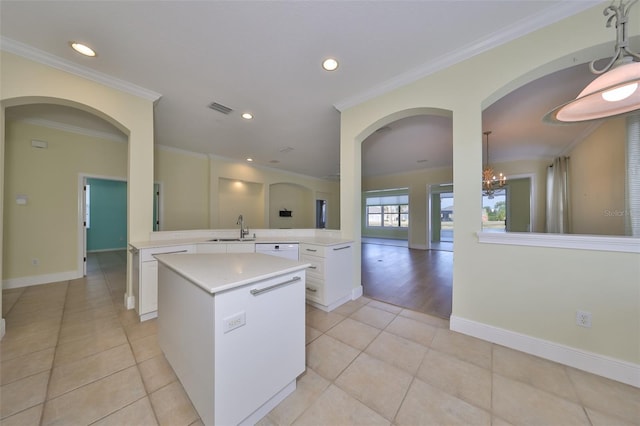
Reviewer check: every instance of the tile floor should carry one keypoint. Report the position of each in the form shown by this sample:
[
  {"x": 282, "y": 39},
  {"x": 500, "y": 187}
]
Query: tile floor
[{"x": 73, "y": 355}]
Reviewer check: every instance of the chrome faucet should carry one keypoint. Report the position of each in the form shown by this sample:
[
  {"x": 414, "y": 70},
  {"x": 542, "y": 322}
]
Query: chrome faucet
[{"x": 243, "y": 231}]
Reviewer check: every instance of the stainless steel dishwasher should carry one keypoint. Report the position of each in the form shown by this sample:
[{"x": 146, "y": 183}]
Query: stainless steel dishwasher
[{"x": 286, "y": 250}]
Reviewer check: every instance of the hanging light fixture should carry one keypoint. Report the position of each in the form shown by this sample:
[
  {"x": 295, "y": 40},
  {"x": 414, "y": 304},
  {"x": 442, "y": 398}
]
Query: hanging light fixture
[
  {"x": 617, "y": 90},
  {"x": 490, "y": 181}
]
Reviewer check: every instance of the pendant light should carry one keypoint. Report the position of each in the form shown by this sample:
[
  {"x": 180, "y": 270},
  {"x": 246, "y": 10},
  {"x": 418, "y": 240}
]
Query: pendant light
[
  {"x": 490, "y": 181},
  {"x": 617, "y": 90}
]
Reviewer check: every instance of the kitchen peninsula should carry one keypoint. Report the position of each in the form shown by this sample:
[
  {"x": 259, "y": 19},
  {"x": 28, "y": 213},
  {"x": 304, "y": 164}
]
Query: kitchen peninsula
[
  {"x": 329, "y": 276},
  {"x": 232, "y": 326}
]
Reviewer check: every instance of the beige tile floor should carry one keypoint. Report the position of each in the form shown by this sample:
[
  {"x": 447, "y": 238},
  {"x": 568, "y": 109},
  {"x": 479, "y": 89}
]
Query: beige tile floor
[{"x": 73, "y": 355}]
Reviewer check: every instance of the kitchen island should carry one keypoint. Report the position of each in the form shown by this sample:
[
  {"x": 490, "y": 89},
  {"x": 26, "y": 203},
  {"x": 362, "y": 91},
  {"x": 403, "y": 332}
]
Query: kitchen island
[{"x": 232, "y": 326}]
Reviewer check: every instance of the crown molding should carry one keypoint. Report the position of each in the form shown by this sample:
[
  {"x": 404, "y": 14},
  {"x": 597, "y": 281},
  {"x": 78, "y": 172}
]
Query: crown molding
[
  {"x": 36, "y": 55},
  {"x": 518, "y": 29},
  {"x": 73, "y": 129}
]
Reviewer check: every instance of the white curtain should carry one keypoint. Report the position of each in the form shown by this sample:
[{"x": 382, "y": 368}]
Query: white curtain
[{"x": 558, "y": 207}]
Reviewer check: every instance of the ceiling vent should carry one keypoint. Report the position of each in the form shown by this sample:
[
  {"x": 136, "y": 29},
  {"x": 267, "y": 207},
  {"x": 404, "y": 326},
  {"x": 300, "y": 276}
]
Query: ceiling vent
[{"x": 220, "y": 108}]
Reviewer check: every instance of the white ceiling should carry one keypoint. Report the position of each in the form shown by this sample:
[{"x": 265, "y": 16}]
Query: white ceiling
[{"x": 264, "y": 57}]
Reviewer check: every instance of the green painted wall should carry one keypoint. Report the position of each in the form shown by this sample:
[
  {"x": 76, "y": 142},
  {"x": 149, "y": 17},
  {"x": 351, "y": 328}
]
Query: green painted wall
[{"x": 108, "y": 215}]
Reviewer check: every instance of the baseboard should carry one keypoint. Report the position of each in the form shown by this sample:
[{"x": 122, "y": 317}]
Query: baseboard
[
  {"x": 3, "y": 328},
  {"x": 356, "y": 292},
  {"x": 129, "y": 301},
  {"x": 40, "y": 279},
  {"x": 611, "y": 368},
  {"x": 419, "y": 246}
]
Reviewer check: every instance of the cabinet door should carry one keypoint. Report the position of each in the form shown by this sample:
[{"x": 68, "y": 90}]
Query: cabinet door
[
  {"x": 337, "y": 277},
  {"x": 241, "y": 248},
  {"x": 211, "y": 248},
  {"x": 258, "y": 358},
  {"x": 148, "y": 295}
]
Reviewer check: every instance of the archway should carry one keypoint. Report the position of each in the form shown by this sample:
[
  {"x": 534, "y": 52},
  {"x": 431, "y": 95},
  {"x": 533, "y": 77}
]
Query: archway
[
  {"x": 130, "y": 109},
  {"x": 411, "y": 152}
]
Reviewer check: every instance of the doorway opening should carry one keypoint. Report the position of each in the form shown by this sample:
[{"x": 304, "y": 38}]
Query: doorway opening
[
  {"x": 104, "y": 215},
  {"x": 321, "y": 214}
]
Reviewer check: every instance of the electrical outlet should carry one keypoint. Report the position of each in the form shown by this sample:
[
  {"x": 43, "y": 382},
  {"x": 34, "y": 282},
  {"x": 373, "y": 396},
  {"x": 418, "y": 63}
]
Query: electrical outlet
[
  {"x": 583, "y": 319},
  {"x": 234, "y": 321},
  {"x": 35, "y": 261}
]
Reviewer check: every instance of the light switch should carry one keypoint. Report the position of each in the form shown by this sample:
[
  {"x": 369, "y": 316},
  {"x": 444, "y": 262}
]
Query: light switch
[{"x": 21, "y": 200}]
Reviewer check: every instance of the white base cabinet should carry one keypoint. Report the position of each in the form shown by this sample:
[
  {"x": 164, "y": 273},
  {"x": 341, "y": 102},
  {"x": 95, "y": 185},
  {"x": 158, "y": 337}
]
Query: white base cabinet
[
  {"x": 238, "y": 352},
  {"x": 329, "y": 279},
  {"x": 145, "y": 278}
]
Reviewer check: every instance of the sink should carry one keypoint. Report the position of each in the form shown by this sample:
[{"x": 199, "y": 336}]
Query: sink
[{"x": 232, "y": 239}]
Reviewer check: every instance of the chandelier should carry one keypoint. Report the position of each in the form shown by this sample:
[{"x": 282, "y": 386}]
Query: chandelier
[
  {"x": 616, "y": 90},
  {"x": 490, "y": 181}
]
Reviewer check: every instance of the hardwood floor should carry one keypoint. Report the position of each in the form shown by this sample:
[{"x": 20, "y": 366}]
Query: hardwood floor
[{"x": 420, "y": 280}]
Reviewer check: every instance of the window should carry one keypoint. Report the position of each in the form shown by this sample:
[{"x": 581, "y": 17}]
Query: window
[{"x": 388, "y": 212}]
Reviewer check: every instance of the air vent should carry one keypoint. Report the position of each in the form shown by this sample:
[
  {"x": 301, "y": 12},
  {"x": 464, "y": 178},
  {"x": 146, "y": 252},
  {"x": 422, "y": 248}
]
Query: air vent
[{"x": 220, "y": 108}]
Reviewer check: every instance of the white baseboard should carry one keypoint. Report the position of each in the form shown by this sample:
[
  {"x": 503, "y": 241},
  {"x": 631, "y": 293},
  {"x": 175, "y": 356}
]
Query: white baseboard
[
  {"x": 419, "y": 246},
  {"x": 3, "y": 328},
  {"x": 40, "y": 279},
  {"x": 129, "y": 301},
  {"x": 356, "y": 292},
  {"x": 611, "y": 368}
]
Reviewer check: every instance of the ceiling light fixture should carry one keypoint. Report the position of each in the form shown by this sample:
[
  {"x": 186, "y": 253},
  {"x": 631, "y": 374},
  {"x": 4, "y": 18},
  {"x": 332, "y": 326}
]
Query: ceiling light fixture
[
  {"x": 247, "y": 115},
  {"x": 615, "y": 91},
  {"x": 490, "y": 182},
  {"x": 330, "y": 64},
  {"x": 250, "y": 160},
  {"x": 83, "y": 49}
]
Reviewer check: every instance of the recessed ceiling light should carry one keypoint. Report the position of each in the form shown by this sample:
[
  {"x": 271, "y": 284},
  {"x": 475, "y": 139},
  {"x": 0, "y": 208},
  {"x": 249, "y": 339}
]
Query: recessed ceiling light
[
  {"x": 330, "y": 64},
  {"x": 247, "y": 115},
  {"x": 250, "y": 160},
  {"x": 83, "y": 49}
]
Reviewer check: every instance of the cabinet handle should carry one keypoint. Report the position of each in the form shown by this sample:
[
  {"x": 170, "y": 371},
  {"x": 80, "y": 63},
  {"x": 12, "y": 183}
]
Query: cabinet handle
[
  {"x": 312, "y": 250},
  {"x": 170, "y": 252},
  {"x": 313, "y": 267},
  {"x": 313, "y": 290},
  {"x": 341, "y": 248},
  {"x": 259, "y": 291}
]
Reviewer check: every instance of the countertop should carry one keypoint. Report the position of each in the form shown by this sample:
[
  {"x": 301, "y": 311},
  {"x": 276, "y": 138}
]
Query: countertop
[
  {"x": 323, "y": 241},
  {"x": 219, "y": 272}
]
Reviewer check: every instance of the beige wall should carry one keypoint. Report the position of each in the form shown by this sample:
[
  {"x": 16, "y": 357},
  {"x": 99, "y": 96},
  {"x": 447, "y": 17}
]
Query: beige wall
[
  {"x": 47, "y": 227},
  {"x": 24, "y": 81},
  {"x": 235, "y": 198},
  {"x": 535, "y": 291},
  {"x": 221, "y": 168},
  {"x": 597, "y": 181},
  {"x": 184, "y": 181},
  {"x": 295, "y": 198}
]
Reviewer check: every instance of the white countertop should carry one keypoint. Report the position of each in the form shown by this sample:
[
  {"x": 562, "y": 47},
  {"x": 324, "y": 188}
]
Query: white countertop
[
  {"x": 324, "y": 241},
  {"x": 219, "y": 272}
]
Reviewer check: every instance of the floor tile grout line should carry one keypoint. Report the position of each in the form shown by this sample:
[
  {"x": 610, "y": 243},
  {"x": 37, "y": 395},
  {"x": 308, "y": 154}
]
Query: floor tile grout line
[{"x": 46, "y": 392}]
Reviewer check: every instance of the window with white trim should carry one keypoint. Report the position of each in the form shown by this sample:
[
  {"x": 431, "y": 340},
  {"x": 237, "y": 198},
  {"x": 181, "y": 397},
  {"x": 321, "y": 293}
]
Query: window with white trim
[{"x": 391, "y": 211}]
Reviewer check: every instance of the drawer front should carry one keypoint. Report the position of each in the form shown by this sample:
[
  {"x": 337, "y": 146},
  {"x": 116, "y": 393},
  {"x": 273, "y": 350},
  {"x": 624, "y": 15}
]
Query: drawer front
[
  {"x": 147, "y": 254},
  {"x": 314, "y": 291},
  {"x": 317, "y": 265},
  {"x": 312, "y": 250}
]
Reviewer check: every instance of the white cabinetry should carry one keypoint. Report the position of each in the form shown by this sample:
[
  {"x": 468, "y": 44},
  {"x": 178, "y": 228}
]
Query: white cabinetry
[
  {"x": 237, "y": 352},
  {"x": 145, "y": 278},
  {"x": 329, "y": 276},
  {"x": 225, "y": 248}
]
